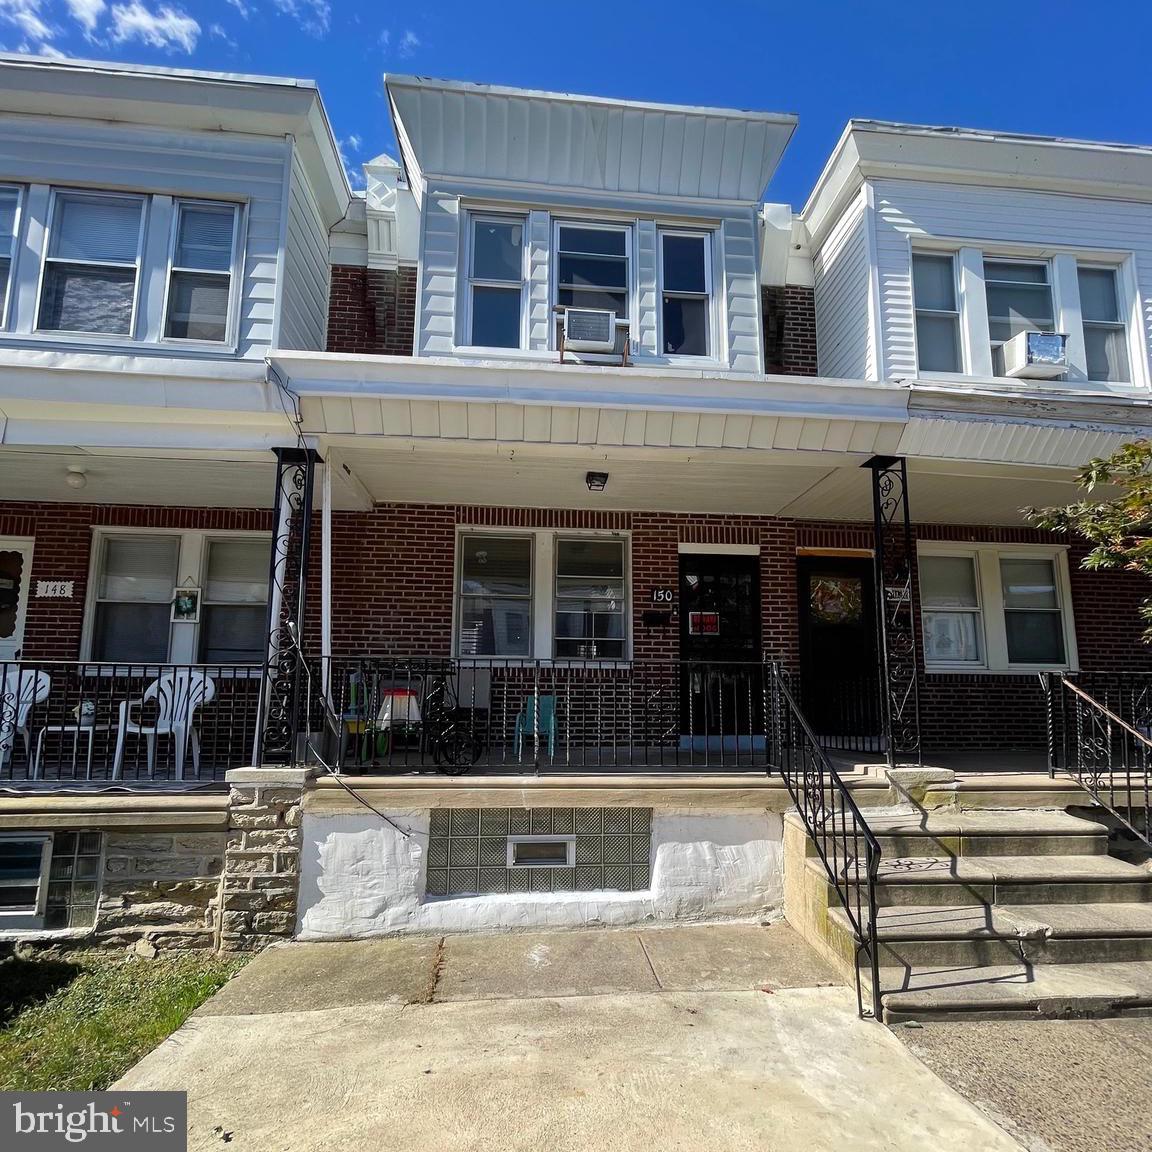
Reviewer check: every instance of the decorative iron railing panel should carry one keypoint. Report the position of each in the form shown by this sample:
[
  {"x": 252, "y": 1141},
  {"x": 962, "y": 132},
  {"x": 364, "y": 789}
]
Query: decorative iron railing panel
[
  {"x": 1100, "y": 734},
  {"x": 846, "y": 846},
  {"x": 895, "y": 614},
  {"x": 92, "y": 723}
]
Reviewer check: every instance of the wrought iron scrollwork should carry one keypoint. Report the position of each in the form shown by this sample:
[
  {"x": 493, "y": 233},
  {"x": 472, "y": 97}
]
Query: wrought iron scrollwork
[
  {"x": 288, "y": 586},
  {"x": 895, "y": 615}
]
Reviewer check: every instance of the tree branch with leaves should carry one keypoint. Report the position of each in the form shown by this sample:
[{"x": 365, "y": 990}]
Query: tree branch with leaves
[{"x": 1119, "y": 529}]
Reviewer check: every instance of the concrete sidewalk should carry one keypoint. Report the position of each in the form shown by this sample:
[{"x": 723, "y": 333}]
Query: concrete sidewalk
[{"x": 710, "y": 1038}]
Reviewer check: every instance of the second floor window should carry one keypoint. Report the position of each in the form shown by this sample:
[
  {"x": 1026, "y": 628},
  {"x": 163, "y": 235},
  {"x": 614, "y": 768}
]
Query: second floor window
[
  {"x": 200, "y": 286},
  {"x": 1105, "y": 334},
  {"x": 1019, "y": 295},
  {"x": 9, "y": 202},
  {"x": 92, "y": 264},
  {"x": 686, "y": 286},
  {"x": 496, "y": 282},
  {"x": 937, "y": 314},
  {"x": 593, "y": 267}
]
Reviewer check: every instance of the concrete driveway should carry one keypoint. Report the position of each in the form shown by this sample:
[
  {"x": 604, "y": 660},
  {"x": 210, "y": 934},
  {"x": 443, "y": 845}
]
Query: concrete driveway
[{"x": 710, "y": 1038}]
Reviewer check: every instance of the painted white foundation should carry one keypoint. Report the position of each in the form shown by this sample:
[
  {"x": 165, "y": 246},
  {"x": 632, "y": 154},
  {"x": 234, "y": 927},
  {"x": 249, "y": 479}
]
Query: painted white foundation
[{"x": 362, "y": 877}]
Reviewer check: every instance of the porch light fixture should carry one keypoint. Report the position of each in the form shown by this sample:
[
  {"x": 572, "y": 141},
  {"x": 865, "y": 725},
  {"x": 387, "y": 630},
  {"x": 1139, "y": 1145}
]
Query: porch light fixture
[
  {"x": 75, "y": 477},
  {"x": 596, "y": 481}
]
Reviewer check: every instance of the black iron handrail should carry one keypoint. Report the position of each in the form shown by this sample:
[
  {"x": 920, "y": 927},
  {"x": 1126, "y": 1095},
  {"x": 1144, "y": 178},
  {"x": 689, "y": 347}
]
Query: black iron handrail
[
  {"x": 845, "y": 844},
  {"x": 1107, "y": 753}
]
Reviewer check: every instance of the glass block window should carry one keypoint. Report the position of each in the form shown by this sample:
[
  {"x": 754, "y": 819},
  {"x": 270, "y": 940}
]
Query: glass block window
[
  {"x": 604, "y": 849},
  {"x": 73, "y": 880}
]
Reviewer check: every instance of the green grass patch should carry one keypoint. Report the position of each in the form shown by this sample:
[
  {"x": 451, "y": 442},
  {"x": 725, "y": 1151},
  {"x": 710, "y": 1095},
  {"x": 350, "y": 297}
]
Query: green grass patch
[{"x": 77, "y": 1022}]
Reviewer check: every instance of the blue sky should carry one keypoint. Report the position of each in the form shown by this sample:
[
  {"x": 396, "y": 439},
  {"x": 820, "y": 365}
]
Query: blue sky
[{"x": 1059, "y": 68}]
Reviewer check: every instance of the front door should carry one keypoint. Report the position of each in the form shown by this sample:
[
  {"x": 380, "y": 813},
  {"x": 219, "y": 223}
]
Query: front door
[
  {"x": 839, "y": 676},
  {"x": 720, "y": 644},
  {"x": 15, "y": 574}
]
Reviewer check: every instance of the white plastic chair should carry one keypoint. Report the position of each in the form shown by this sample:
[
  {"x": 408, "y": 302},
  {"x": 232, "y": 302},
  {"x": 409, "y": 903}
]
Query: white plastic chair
[
  {"x": 21, "y": 690},
  {"x": 177, "y": 694}
]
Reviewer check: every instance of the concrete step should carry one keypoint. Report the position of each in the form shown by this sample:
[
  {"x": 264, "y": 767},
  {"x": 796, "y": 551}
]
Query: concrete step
[
  {"x": 1016, "y": 790},
  {"x": 1038, "y": 832},
  {"x": 1008, "y": 880},
  {"x": 964, "y": 935},
  {"x": 1015, "y": 991}
]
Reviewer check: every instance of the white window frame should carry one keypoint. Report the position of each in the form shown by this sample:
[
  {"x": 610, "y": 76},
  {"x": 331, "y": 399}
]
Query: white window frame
[
  {"x": 977, "y": 611},
  {"x": 145, "y": 202},
  {"x": 191, "y": 569},
  {"x": 23, "y": 918},
  {"x": 707, "y": 237},
  {"x": 953, "y": 257},
  {"x": 568, "y": 839},
  {"x": 1121, "y": 323},
  {"x": 471, "y": 281},
  {"x": 543, "y": 599},
  {"x": 215, "y": 538},
  {"x": 1050, "y": 283},
  {"x": 17, "y": 221},
  {"x": 233, "y": 273},
  {"x": 989, "y": 591},
  {"x": 628, "y": 227}
]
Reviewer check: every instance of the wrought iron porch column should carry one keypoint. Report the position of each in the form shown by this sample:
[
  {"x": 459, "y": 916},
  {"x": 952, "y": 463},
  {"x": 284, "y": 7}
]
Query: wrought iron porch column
[
  {"x": 283, "y": 688},
  {"x": 894, "y": 558}
]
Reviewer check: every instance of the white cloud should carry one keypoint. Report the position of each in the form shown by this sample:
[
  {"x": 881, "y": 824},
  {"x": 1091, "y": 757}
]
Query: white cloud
[
  {"x": 25, "y": 15},
  {"x": 314, "y": 15},
  {"x": 241, "y": 7},
  {"x": 165, "y": 28},
  {"x": 355, "y": 143},
  {"x": 87, "y": 13},
  {"x": 409, "y": 42},
  {"x": 353, "y": 171},
  {"x": 385, "y": 38}
]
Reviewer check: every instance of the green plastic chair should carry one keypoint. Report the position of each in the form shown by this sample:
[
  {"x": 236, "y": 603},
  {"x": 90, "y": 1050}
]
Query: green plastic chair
[{"x": 531, "y": 725}]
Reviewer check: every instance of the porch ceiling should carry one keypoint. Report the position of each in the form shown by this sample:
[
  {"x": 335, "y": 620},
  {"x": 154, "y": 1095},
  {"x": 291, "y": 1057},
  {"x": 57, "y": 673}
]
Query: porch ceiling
[
  {"x": 819, "y": 486},
  {"x": 163, "y": 477}
]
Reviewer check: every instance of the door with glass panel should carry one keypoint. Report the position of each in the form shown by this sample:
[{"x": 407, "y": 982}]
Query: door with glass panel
[
  {"x": 839, "y": 673},
  {"x": 15, "y": 577}
]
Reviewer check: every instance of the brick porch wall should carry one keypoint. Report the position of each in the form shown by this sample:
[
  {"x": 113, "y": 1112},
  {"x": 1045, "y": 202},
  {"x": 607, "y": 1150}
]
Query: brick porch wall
[{"x": 394, "y": 575}]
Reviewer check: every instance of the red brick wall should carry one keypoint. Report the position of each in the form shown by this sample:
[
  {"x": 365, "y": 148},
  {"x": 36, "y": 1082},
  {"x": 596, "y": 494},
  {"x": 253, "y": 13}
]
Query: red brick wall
[
  {"x": 63, "y": 543},
  {"x": 372, "y": 311},
  {"x": 393, "y": 580},
  {"x": 789, "y": 330}
]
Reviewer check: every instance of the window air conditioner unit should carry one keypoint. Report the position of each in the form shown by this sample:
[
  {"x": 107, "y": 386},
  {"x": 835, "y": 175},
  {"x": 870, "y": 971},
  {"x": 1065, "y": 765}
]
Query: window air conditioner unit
[
  {"x": 589, "y": 330},
  {"x": 1035, "y": 355}
]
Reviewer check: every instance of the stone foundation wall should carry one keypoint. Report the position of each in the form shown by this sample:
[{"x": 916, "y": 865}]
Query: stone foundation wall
[
  {"x": 262, "y": 859},
  {"x": 161, "y": 888}
]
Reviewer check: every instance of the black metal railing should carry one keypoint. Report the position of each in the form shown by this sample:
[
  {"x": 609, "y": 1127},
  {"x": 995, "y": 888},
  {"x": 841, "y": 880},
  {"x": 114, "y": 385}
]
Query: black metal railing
[
  {"x": 846, "y": 846},
  {"x": 1100, "y": 734},
  {"x": 845, "y": 712},
  {"x": 98, "y": 722},
  {"x": 374, "y": 714}
]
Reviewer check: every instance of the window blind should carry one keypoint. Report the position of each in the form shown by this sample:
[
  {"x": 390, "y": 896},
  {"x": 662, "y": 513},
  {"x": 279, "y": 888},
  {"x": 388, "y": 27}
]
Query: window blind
[{"x": 99, "y": 229}]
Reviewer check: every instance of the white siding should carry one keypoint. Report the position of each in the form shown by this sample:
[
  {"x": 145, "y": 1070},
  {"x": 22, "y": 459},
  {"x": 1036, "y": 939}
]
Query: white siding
[
  {"x": 214, "y": 165},
  {"x": 540, "y": 320},
  {"x": 647, "y": 284},
  {"x": 304, "y": 290},
  {"x": 842, "y": 288},
  {"x": 741, "y": 284},
  {"x": 907, "y": 210},
  {"x": 439, "y": 257}
]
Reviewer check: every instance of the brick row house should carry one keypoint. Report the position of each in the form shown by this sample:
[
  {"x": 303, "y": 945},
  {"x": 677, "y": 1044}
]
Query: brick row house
[{"x": 540, "y": 465}]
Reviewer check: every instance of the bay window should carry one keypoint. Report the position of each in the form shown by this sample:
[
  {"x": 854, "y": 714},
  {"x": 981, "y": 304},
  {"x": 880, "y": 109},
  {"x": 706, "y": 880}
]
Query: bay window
[
  {"x": 686, "y": 293},
  {"x": 988, "y": 608},
  {"x": 541, "y": 594},
  {"x": 91, "y": 265},
  {"x": 1105, "y": 333},
  {"x": 1019, "y": 297},
  {"x": 593, "y": 267},
  {"x": 200, "y": 280},
  {"x": 9, "y": 204},
  {"x": 496, "y": 282},
  {"x": 937, "y": 312}
]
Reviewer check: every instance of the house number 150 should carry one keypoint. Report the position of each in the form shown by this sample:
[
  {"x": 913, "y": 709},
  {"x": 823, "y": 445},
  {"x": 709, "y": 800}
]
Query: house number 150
[{"x": 663, "y": 595}]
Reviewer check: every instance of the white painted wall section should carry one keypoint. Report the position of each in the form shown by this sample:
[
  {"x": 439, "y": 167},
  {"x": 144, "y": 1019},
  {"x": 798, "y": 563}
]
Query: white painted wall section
[
  {"x": 842, "y": 285},
  {"x": 362, "y": 877}
]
